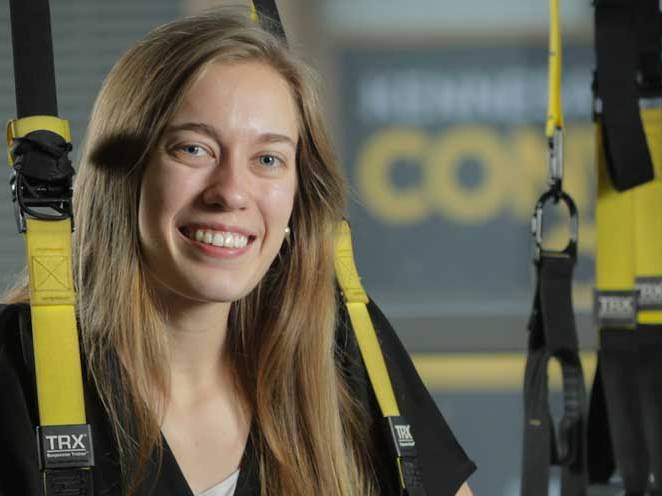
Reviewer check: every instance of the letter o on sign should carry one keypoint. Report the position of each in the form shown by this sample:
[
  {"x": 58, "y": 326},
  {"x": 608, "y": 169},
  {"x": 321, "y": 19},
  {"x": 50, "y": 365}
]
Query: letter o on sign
[{"x": 469, "y": 205}]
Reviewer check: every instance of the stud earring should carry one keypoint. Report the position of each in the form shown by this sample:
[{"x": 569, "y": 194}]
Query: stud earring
[{"x": 287, "y": 231}]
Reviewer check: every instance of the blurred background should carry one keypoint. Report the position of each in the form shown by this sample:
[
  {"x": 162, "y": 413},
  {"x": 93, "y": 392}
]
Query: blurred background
[{"x": 438, "y": 110}]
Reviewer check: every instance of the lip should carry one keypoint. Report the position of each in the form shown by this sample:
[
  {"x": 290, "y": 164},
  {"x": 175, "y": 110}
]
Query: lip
[{"x": 221, "y": 252}]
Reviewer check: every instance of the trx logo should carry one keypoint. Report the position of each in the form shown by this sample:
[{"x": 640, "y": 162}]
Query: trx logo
[
  {"x": 650, "y": 293},
  {"x": 65, "y": 446},
  {"x": 402, "y": 437},
  {"x": 405, "y": 439},
  {"x": 616, "y": 308},
  {"x": 66, "y": 442}
]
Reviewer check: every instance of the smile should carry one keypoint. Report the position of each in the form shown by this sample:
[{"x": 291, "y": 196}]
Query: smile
[
  {"x": 218, "y": 238},
  {"x": 224, "y": 239}
]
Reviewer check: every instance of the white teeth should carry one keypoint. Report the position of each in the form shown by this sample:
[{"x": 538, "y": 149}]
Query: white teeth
[
  {"x": 223, "y": 239},
  {"x": 218, "y": 239}
]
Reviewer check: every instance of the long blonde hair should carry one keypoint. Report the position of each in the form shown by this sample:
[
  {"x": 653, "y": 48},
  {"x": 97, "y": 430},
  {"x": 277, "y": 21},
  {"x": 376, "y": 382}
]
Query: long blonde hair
[{"x": 309, "y": 428}]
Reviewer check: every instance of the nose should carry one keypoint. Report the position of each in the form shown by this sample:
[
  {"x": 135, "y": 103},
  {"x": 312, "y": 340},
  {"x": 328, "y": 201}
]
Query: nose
[{"x": 228, "y": 187}]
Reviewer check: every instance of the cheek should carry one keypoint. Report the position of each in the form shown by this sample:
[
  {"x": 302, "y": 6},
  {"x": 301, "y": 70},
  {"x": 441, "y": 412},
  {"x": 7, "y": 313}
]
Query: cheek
[
  {"x": 278, "y": 202},
  {"x": 161, "y": 194}
]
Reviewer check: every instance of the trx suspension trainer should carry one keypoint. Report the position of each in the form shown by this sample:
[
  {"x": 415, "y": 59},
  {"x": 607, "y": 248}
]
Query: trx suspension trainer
[
  {"x": 552, "y": 333},
  {"x": 41, "y": 179},
  {"x": 625, "y": 428}
]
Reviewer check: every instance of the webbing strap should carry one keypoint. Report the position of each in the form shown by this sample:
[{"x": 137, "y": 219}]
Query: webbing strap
[
  {"x": 648, "y": 226},
  {"x": 554, "y": 104},
  {"x": 34, "y": 73},
  {"x": 629, "y": 315},
  {"x": 618, "y": 24},
  {"x": 38, "y": 145},
  {"x": 57, "y": 358},
  {"x": 552, "y": 335},
  {"x": 267, "y": 12},
  {"x": 356, "y": 300}
]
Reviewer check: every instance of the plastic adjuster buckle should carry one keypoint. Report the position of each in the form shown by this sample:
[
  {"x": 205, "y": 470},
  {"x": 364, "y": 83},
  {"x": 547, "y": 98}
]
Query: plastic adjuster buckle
[
  {"x": 65, "y": 446},
  {"x": 68, "y": 482},
  {"x": 66, "y": 457},
  {"x": 404, "y": 449}
]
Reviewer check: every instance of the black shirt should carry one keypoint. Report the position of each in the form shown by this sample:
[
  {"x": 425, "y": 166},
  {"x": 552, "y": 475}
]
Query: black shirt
[{"x": 443, "y": 463}]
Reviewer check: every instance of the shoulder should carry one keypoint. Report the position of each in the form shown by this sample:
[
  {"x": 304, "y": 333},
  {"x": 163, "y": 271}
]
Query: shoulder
[
  {"x": 18, "y": 415},
  {"x": 16, "y": 349},
  {"x": 444, "y": 464}
]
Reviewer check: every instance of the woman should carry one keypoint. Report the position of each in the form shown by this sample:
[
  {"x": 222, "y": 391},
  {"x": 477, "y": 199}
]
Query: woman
[{"x": 206, "y": 204}]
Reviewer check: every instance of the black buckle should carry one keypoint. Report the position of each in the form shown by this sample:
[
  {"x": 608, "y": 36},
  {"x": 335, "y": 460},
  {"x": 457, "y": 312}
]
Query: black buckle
[
  {"x": 65, "y": 446},
  {"x": 66, "y": 458},
  {"x": 404, "y": 451},
  {"x": 402, "y": 439},
  {"x": 68, "y": 482},
  {"x": 41, "y": 180}
]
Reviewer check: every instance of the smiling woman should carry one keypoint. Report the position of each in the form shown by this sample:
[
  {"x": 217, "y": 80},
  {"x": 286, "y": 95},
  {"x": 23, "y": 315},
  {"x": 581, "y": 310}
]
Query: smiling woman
[{"x": 218, "y": 361}]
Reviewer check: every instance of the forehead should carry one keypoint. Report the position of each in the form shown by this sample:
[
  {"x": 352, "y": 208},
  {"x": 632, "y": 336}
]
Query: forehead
[{"x": 241, "y": 97}]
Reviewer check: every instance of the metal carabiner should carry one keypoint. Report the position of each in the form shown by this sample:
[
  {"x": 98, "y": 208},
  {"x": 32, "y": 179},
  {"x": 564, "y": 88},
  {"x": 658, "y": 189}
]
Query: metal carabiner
[
  {"x": 537, "y": 222},
  {"x": 555, "y": 160}
]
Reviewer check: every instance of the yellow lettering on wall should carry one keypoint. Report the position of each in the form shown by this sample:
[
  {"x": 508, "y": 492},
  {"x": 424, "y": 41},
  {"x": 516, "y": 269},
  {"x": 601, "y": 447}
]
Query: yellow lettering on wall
[
  {"x": 513, "y": 175},
  {"x": 473, "y": 205},
  {"x": 374, "y": 165}
]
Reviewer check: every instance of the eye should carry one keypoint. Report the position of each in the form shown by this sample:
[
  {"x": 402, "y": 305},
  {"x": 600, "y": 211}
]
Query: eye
[
  {"x": 194, "y": 150},
  {"x": 269, "y": 161}
]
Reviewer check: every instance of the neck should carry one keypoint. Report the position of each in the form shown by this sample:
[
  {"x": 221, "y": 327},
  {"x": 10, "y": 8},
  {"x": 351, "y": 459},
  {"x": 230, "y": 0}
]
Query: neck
[{"x": 196, "y": 341}]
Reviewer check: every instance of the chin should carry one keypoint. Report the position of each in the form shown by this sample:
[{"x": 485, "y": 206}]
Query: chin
[{"x": 216, "y": 294}]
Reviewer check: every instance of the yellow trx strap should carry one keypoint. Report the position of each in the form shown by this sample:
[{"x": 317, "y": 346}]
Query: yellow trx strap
[
  {"x": 648, "y": 226},
  {"x": 356, "y": 301},
  {"x": 629, "y": 239},
  {"x": 64, "y": 438},
  {"x": 614, "y": 258},
  {"x": 628, "y": 309},
  {"x": 554, "y": 125},
  {"x": 554, "y": 104},
  {"x": 55, "y": 337}
]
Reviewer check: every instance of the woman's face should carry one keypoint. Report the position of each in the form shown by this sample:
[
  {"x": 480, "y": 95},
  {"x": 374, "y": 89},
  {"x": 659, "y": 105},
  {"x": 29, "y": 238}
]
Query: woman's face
[{"x": 218, "y": 191}]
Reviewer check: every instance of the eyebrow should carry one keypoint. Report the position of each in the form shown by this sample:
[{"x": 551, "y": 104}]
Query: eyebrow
[
  {"x": 276, "y": 138},
  {"x": 211, "y": 132},
  {"x": 193, "y": 126}
]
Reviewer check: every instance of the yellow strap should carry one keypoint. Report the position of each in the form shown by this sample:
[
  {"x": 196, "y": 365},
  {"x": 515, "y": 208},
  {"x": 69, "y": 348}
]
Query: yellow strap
[
  {"x": 614, "y": 212},
  {"x": 52, "y": 298},
  {"x": 651, "y": 119},
  {"x": 648, "y": 212},
  {"x": 21, "y": 127},
  {"x": 554, "y": 107},
  {"x": 55, "y": 336},
  {"x": 629, "y": 223},
  {"x": 356, "y": 300},
  {"x": 254, "y": 17}
]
